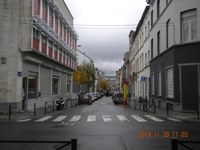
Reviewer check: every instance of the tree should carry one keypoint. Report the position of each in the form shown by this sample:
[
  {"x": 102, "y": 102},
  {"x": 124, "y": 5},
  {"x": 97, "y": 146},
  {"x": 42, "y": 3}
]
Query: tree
[
  {"x": 90, "y": 73},
  {"x": 76, "y": 77},
  {"x": 103, "y": 84},
  {"x": 84, "y": 74}
]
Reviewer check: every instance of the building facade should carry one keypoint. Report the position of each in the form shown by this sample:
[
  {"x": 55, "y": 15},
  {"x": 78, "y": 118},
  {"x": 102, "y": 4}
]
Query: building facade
[
  {"x": 140, "y": 57},
  {"x": 175, "y": 42},
  {"x": 165, "y": 56},
  {"x": 38, "y": 52}
]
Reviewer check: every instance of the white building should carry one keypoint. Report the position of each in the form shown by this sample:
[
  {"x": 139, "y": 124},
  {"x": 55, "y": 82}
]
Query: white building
[
  {"x": 37, "y": 52},
  {"x": 169, "y": 36},
  {"x": 140, "y": 57}
]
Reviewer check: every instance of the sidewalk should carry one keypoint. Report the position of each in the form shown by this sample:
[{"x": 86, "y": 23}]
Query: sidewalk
[
  {"x": 23, "y": 115},
  {"x": 185, "y": 116},
  {"x": 177, "y": 115},
  {"x": 40, "y": 112}
]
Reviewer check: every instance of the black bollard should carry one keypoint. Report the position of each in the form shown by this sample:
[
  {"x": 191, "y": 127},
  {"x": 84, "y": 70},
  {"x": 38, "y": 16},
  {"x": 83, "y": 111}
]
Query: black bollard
[
  {"x": 74, "y": 144},
  {"x": 9, "y": 111},
  {"x": 34, "y": 109},
  {"x": 45, "y": 107},
  {"x": 174, "y": 144},
  {"x": 167, "y": 109}
]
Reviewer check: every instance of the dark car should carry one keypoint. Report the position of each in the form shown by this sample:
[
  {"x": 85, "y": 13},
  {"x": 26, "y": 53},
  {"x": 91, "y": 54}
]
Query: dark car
[
  {"x": 107, "y": 94},
  {"x": 117, "y": 98}
]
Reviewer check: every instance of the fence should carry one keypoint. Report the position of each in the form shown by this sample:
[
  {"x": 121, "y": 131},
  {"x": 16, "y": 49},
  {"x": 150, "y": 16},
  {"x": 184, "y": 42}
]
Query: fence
[
  {"x": 145, "y": 105},
  {"x": 49, "y": 107},
  {"x": 175, "y": 142},
  {"x": 73, "y": 143}
]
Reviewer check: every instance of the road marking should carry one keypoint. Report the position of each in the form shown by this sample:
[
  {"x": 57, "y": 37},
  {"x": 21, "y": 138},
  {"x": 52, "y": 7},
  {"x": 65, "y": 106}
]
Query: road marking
[
  {"x": 23, "y": 120},
  {"x": 91, "y": 118},
  {"x": 103, "y": 103},
  {"x": 60, "y": 118},
  {"x": 154, "y": 118},
  {"x": 122, "y": 118},
  {"x": 43, "y": 119},
  {"x": 75, "y": 118},
  {"x": 174, "y": 119},
  {"x": 138, "y": 118},
  {"x": 106, "y": 118}
]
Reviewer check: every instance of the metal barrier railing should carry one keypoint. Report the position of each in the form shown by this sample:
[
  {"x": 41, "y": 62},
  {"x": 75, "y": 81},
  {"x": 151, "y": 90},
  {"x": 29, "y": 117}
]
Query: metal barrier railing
[
  {"x": 175, "y": 142},
  {"x": 143, "y": 104},
  {"x": 49, "y": 106},
  {"x": 73, "y": 143}
]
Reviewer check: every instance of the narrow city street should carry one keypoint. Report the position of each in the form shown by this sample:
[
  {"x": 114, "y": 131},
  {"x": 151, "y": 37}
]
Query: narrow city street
[{"x": 100, "y": 126}]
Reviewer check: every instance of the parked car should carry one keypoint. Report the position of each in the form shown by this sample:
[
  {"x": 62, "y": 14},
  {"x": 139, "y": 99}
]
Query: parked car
[
  {"x": 117, "y": 98},
  {"x": 60, "y": 104},
  {"x": 97, "y": 95},
  {"x": 88, "y": 98}
]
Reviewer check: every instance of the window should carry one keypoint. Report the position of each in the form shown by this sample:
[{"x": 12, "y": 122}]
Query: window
[
  {"x": 189, "y": 25},
  {"x": 159, "y": 84},
  {"x": 32, "y": 86},
  {"x": 148, "y": 27},
  {"x": 44, "y": 39},
  {"x": 51, "y": 12},
  {"x": 169, "y": 83},
  {"x": 68, "y": 86},
  {"x": 158, "y": 8},
  {"x": 145, "y": 59},
  {"x": 158, "y": 42},
  {"x": 167, "y": 34},
  {"x": 55, "y": 82},
  {"x": 152, "y": 84},
  {"x": 149, "y": 57},
  {"x": 50, "y": 44},
  {"x": 45, "y": 3},
  {"x": 151, "y": 48},
  {"x": 146, "y": 32},
  {"x": 151, "y": 18},
  {"x": 35, "y": 33}
]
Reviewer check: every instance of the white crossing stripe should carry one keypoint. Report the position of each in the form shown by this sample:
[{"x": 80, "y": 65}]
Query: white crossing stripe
[
  {"x": 154, "y": 118},
  {"x": 138, "y": 118},
  {"x": 60, "y": 118},
  {"x": 106, "y": 118},
  {"x": 91, "y": 118},
  {"x": 23, "y": 120},
  {"x": 75, "y": 118},
  {"x": 43, "y": 119},
  {"x": 174, "y": 119},
  {"x": 122, "y": 118}
]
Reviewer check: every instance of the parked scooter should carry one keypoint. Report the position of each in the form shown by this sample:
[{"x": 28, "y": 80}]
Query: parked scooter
[{"x": 60, "y": 103}]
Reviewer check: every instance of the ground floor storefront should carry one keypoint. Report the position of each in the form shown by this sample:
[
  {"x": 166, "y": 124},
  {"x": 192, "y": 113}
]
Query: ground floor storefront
[{"x": 40, "y": 80}]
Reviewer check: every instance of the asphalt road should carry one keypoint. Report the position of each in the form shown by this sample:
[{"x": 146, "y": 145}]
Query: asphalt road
[{"x": 100, "y": 126}]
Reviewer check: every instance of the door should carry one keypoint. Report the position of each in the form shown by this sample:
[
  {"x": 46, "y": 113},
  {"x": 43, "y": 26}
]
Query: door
[
  {"x": 190, "y": 87},
  {"x": 24, "y": 93}
]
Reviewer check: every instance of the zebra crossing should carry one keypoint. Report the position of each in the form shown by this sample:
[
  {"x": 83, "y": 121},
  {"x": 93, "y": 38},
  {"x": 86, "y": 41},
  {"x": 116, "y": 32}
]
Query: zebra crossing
[{"x": 103, "y": 118}]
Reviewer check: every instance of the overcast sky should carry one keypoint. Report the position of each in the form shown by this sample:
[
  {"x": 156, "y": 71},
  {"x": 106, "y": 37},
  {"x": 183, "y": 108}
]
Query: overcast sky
[{"x": 103, "y": 27}]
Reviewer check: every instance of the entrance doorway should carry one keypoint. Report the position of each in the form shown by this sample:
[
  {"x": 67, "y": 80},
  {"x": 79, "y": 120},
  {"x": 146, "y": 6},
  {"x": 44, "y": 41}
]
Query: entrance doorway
[{"x": 190, "y": 87}]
